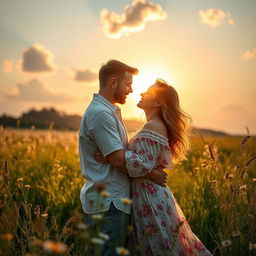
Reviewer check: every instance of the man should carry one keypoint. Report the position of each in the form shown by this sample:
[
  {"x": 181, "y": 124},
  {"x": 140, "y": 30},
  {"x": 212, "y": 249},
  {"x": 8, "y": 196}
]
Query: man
[{"x": 102, "y": 129}]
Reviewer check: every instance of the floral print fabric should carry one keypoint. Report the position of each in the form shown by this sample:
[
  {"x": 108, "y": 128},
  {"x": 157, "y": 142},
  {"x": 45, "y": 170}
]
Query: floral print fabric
[{"x": 161, "y": 226}]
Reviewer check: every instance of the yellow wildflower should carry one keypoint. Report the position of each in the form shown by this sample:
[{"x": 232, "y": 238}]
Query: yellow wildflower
[
  {"x": 7, "y": 236},
  {"x": 122, "y": 251},
  {"x": 104, "y": 194},
  {"x": 54, "y": 247},
  {"x": 97, "y": 216},
  {"x": 126, "y": 201}
]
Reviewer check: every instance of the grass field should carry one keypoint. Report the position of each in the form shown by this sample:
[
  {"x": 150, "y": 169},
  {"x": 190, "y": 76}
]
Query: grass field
[{"x": 40, "y": 181}]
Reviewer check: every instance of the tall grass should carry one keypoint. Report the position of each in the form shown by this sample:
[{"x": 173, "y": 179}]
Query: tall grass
[{"x": 40, "y": 182}]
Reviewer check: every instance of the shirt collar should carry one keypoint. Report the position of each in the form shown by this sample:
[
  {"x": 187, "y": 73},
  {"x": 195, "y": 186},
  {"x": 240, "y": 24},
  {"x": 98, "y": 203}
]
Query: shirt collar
[{"x": 107, "y": 103}]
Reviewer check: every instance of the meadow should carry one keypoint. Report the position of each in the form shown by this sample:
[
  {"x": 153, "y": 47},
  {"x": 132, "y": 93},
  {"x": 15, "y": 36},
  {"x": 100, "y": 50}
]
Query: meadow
[{"x": 40, "y": 181}]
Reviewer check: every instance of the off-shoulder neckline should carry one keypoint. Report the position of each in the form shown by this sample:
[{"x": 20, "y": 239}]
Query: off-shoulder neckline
[{"x": 155, "y": 132}]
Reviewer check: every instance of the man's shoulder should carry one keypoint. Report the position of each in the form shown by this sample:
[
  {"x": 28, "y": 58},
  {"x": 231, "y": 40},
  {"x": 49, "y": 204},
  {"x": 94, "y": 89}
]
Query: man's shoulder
[{"x": 95, "y": 108}]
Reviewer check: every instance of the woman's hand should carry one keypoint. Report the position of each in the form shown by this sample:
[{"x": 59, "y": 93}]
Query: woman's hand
[
  {"x": 159, "y": 176},
  {"x": 99, "y": 157}
]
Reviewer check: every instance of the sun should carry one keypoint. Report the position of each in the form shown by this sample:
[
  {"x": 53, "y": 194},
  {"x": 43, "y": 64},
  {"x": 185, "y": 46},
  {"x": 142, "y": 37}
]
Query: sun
[{"x": 146, "y": 77}]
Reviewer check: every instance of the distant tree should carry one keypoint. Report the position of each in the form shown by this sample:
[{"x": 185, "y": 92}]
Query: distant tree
[
  {"x": 43, "y": 119},
  {"x": 8, "y": 120}
]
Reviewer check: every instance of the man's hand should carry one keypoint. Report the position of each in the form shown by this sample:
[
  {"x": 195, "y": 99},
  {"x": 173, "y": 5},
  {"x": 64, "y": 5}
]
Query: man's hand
[
  {"x": 99, "y": 157},
  {"x": 158, "y": 175}
]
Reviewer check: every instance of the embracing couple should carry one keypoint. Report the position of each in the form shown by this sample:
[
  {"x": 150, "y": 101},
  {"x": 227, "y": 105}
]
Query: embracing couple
[{"x": 134, "y": 169}]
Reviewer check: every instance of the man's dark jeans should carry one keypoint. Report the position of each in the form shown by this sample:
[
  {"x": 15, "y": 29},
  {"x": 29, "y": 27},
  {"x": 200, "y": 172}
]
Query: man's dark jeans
[{"x": 114, "y": 224}]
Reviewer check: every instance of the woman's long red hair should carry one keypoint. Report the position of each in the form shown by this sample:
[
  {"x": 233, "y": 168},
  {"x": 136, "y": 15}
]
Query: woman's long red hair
[{"x": 176, "y": 120}]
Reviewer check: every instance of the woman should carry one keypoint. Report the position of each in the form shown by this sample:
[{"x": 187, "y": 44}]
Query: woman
[{"x": 161, "y": 227}]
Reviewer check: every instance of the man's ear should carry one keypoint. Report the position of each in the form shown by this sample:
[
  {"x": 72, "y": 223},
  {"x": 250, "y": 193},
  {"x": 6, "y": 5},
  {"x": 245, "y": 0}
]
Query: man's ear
[{"x": 113, "y": 82}]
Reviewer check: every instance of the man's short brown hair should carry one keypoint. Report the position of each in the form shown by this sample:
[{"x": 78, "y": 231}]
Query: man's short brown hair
[{"x": 114, "y": 68}]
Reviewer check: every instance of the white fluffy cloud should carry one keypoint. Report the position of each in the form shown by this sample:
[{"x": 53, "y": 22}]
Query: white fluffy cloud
[
  {"x": 85, "y": 76},
  {"x": 37, "y": 59},
  {"x": 36, "y": 91},
  {"x": 215, "y": 17},
  {"x": 250, "y": 54},
  {"x": 132, "y": 20}
]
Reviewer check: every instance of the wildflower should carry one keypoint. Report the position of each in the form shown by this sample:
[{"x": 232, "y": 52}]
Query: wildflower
[
  {"x": 243, "y": 187},
  {"x": 82, "y": 226},
  {"x": 54, "y": 247},
  {"x": 126, "y": 201},
  {"x": 97, "y": 216},
  {"x": 252, "y": 246},
  {"x": 104, "y": 236},
  {"x": 27, "y": 186},
  {"x": 96, "y": 240},
  {"x": 226, "y": 243},
  {"x": 7, "y": 236},
  {"x": 104, "y": 194},
  {"x": 236, "y": 233},
  {"x": 122, "y": 251},
  {"x": 20, "y": 180},
  {"x": 44, "y": 215}
]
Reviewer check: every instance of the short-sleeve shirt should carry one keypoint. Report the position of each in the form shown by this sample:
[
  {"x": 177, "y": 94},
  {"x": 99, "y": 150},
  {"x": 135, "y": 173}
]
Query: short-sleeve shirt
[{"x": 101, "y": 129}]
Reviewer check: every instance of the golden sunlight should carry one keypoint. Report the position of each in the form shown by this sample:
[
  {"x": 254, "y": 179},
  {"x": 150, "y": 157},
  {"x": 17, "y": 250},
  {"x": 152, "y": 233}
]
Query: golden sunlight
[{"x": 146, "y": 77}]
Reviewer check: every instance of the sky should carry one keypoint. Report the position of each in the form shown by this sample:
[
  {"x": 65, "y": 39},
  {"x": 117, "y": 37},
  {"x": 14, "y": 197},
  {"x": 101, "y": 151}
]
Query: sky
[{"x": 51, "y": 51}]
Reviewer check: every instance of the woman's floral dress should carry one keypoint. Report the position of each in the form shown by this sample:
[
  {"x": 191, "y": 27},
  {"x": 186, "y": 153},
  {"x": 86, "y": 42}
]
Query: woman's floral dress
[{"x": 161, "y": 226}]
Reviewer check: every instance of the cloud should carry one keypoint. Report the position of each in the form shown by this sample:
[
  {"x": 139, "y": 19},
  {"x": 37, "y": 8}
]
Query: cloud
[
  {"x": 8, "y": 66},
  {"x": 133, "y": 19},
  {"x": 215, "y": 17},
  {"x": 248, "y": 55},
  {"x": 231, "y": 108},
  {"x": 85, "y": 76},
  {"x": 37, "y": 59},
  {"x": 35, "y": 90}
]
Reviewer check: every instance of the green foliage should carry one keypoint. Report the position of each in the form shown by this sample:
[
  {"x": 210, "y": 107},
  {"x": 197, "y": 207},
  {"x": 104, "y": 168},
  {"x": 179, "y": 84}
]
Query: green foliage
[{"x": 41, "y": 181}]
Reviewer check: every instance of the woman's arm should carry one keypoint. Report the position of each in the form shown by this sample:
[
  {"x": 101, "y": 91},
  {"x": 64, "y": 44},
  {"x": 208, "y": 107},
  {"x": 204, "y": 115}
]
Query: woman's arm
[{"x": 117, "y": 159}]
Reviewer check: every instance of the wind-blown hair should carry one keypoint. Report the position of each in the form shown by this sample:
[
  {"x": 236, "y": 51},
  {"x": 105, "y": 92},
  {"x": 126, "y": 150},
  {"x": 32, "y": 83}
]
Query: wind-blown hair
[{"x": 176, "y": 120}]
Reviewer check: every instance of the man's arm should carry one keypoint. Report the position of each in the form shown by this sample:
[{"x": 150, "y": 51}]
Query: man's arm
[{"x": 117, "y": 159}]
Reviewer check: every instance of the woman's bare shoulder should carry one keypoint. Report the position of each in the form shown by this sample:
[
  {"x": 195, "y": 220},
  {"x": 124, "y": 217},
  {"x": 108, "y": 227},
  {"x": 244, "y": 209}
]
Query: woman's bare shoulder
[{"x": 157, "y": 126}]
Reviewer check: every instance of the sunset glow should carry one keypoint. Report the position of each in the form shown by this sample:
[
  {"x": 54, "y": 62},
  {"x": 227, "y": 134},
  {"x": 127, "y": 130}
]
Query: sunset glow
[
  {"x": 147, "y": 77},
  {"x": 204, "y": 48}
]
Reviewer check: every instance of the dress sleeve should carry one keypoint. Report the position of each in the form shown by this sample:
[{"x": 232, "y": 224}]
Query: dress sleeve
[{"x": 143, "y": 157}]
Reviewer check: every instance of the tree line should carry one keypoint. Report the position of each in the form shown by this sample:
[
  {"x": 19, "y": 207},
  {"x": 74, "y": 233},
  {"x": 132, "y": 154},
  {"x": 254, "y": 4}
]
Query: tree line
[{"x": 47, "y": 118}]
